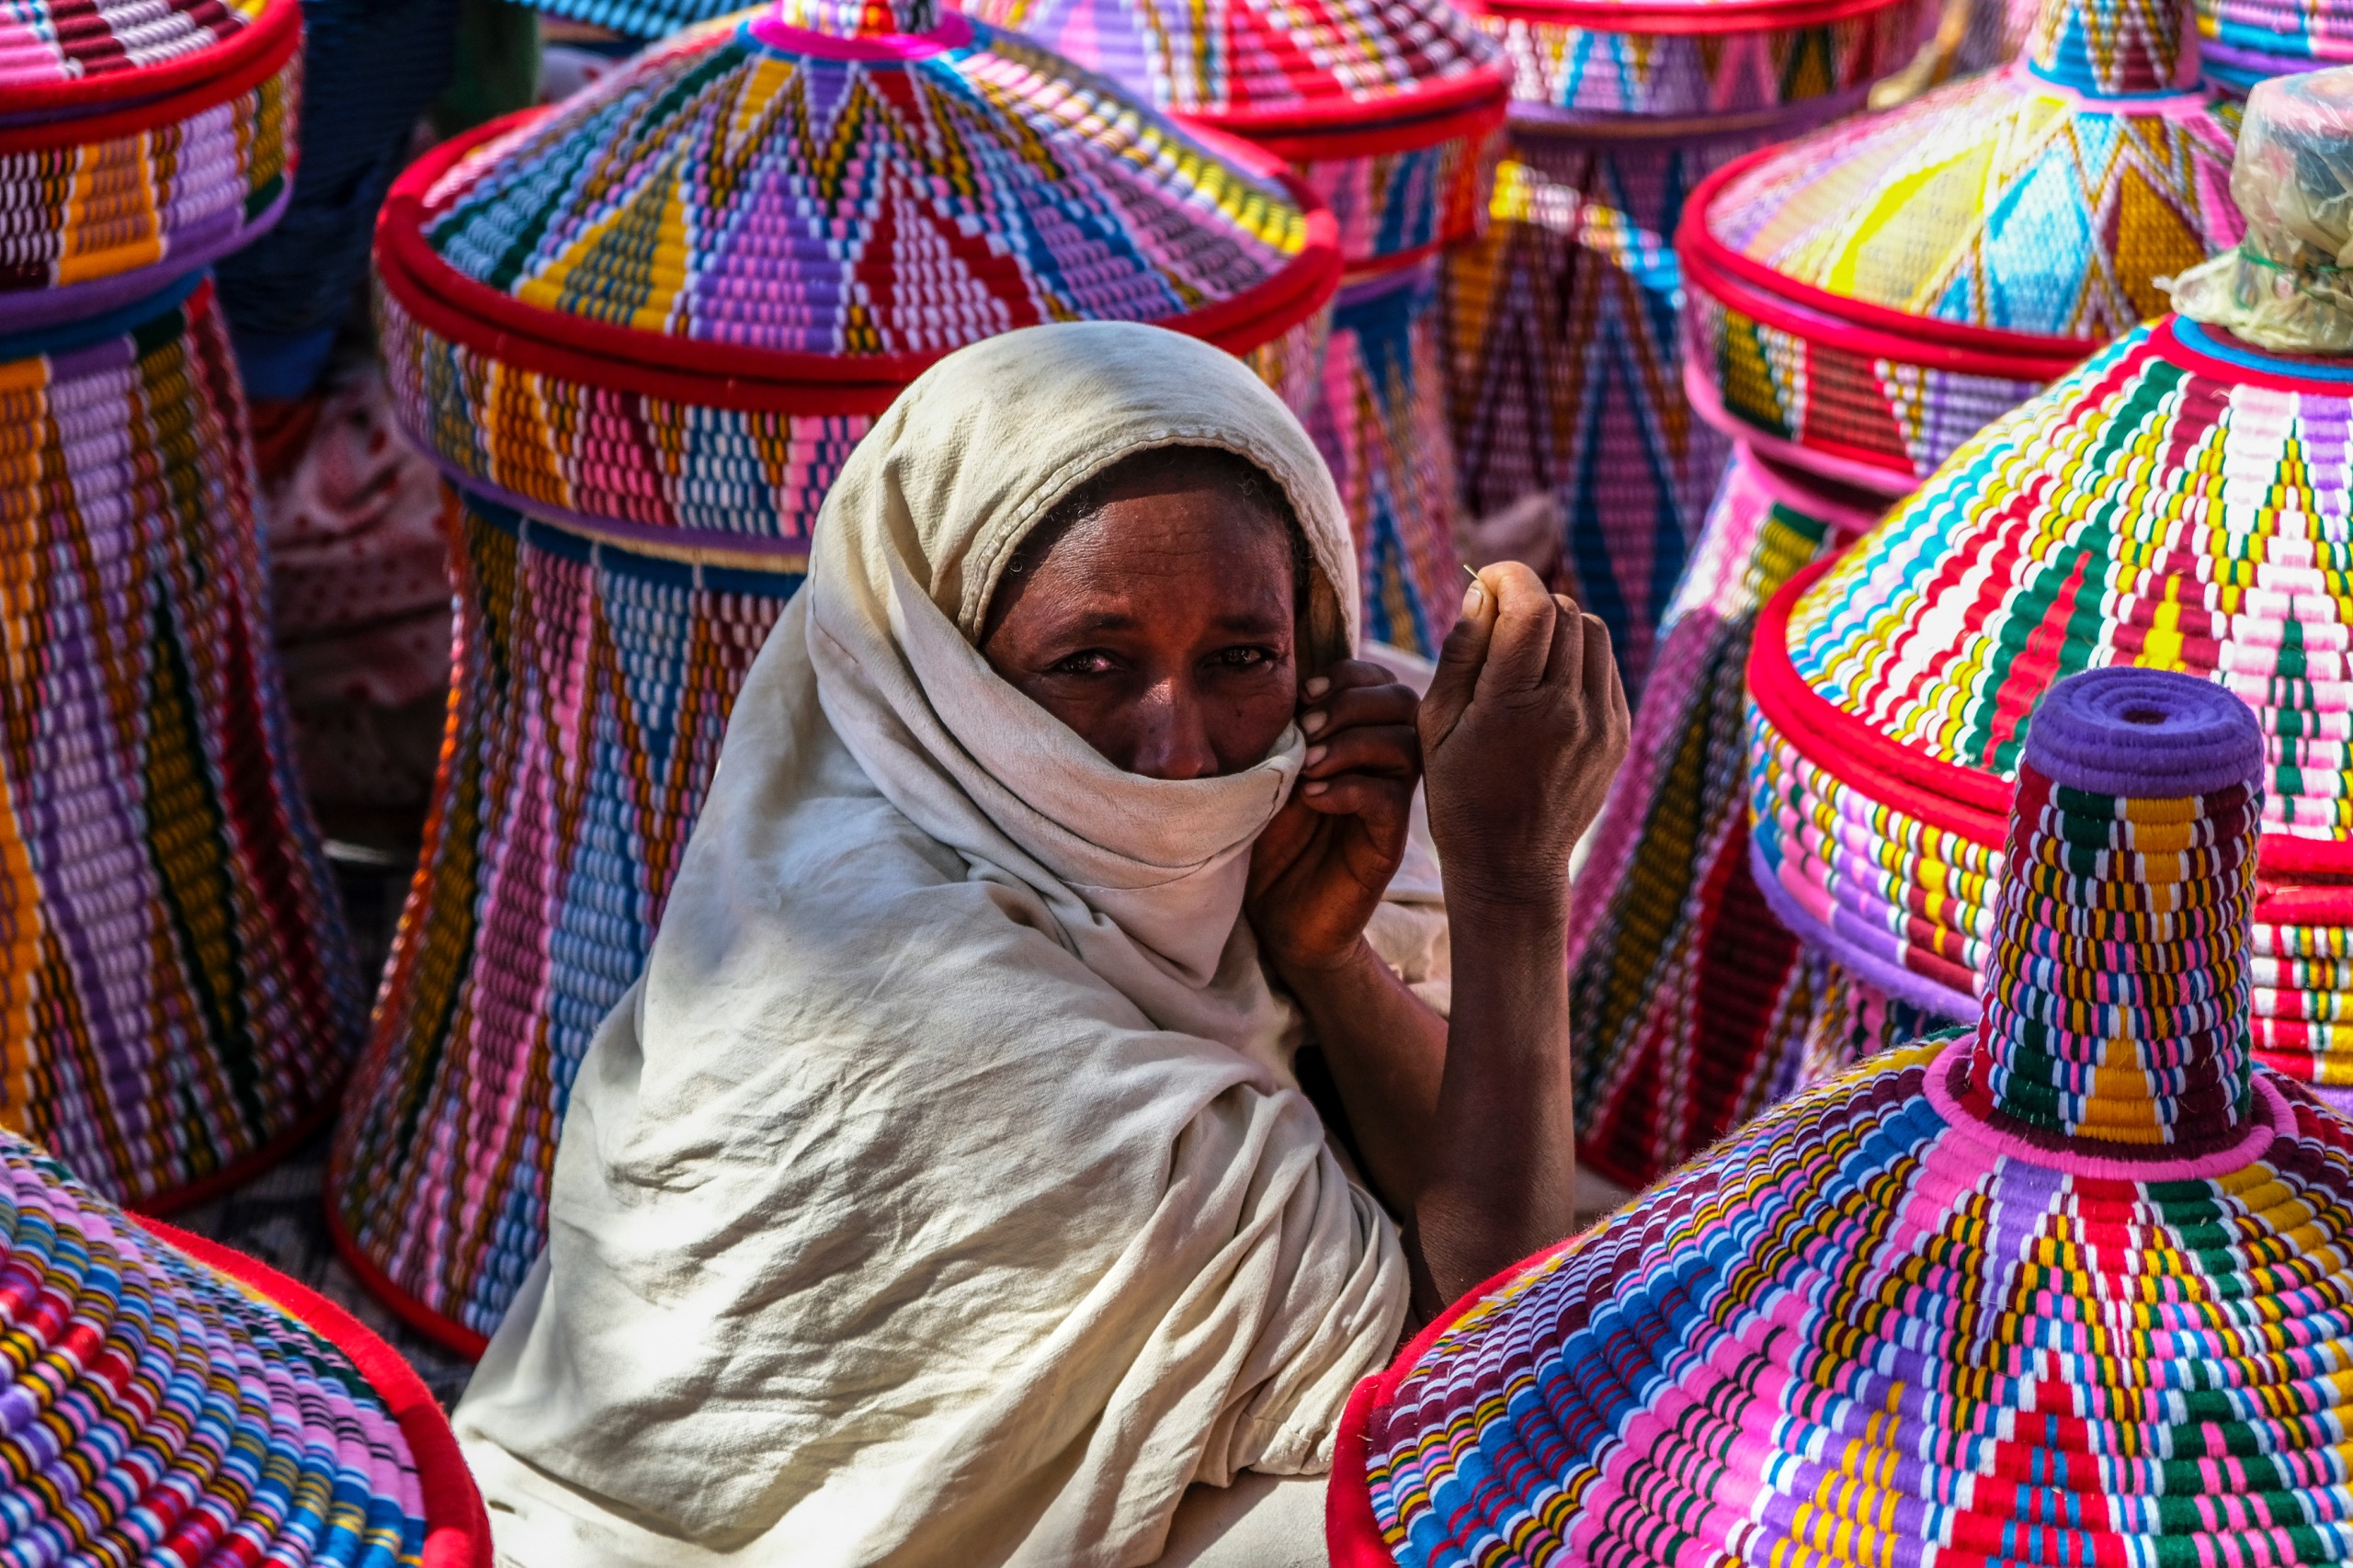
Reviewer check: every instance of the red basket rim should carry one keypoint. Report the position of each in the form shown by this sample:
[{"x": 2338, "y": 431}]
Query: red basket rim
[
  {"x": 1696, "y": 17},
  {"x": 1809, "y": 311},
  {"x": 198, "y": 70},
  {"x": 1338, "y": 113},
  {"x": 1479, "y": 118},
  {"x": 457, "y": 1526},
  {"x": 1971, "y": 801},
  {"x": 1351, "y": 1532},
  {"x": 251, "y": 58},
  {"x": 445, "y": 1332},
  {"x": 534, "y": 337}
]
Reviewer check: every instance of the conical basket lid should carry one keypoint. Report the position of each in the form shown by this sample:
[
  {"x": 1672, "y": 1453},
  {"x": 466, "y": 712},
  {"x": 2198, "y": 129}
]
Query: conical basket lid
[
  {"x": 182, "y": 1404},
  {"x": 1867, "y": 297},
  {"x": 2076, "y": 1289},
  {"x": 137, "y": 141},
  {"x": 760, "y": 202},
  {"x": 2180, "y": 502}
]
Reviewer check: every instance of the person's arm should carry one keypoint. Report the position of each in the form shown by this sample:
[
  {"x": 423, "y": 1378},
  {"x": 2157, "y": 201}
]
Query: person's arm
[
  {"x": 1523, "y": 729},
  {"x": 1464, "y": 1128}
]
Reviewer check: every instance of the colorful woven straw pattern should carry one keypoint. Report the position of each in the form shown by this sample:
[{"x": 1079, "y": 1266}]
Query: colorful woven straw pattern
[
  {"x": 592, "y": 689},
  {"x": 1389, "y": 112},
  {"x": 1694, "y": 58},
  {"x": 569, "y": 447},
  {"x": 1396, "y": 207},
  {"x": 1684, "y": 992},
  {"x": 2247, "y": 40},
  {"x": 663, "y": 201},
  {"x": 1866, "y": 299},
  {"x": 168, "y": 1413},
  {"x": 643, "y": 333},
  {"x": 1381, "y": 425},
  {"x": 1299, "y": 67},
  {"x": 103, "y": 202},
  {"x": 1560, "y": 333},
  {"x": 2178, "y": 503},
  {"x": 175, "y": 996},
  {"x": 44, "y": 43},
  {"x": 1923, "y": 1314}
]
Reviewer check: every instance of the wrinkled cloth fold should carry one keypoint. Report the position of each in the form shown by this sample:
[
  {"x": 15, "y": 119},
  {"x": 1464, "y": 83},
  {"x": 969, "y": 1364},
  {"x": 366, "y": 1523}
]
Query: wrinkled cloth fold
[{"x": 941, "y": 1193}]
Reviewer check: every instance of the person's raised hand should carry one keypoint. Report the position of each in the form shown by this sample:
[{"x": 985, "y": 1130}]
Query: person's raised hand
[
  {"x": 1522, "y": 730},
  {"x": 1319, "y": 870}
]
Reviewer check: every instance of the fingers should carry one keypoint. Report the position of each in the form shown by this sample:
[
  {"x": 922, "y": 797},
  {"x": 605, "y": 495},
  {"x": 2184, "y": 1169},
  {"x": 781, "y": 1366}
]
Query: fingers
[
  {"x": 1522, "y": 642},
  {"x": 1357, "y": 706},
  {"x": 1459, "y": 662},
  {"x": 1604, "y": 691},
  {"x": 1383, "y": 803},
  {"x": 1565, "y": 667},
  {"x": 1346, "y": 673},
  {"x": 1388, "y": 751}
]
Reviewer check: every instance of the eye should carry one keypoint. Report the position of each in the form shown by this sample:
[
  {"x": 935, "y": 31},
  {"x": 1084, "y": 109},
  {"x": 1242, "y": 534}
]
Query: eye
[
  {"x": 1243, "y": 658},
  {"x": 1086, "y": 661}
]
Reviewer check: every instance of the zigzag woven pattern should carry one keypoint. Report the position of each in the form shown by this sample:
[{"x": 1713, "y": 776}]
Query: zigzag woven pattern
[
  {"x": 169, "y": 1414},
  {"x": 1865, "y": 417},
  {"x": 1559, "y": 328},
  {"x": 1564, "y": 63},
  {"x": 964, "y": 193},
  {"x": 1395, "y": 208},
  {"x": 1684, "y": 992},
  {"x": 2068, "y": 1292},
  {"x": 575, "y": 449},
  {"x": 592, "y": 687},
  {"x": 1865, "y": 299},
  {"x": 176, "y": 996},
  {"x": 92, "y": 219},
  {"x": 1308, "y": 63},
  {"x": 2177, "y": 503},
  {"x": 1381, "y": 425},
  {"x": 1994, "y": 203}
]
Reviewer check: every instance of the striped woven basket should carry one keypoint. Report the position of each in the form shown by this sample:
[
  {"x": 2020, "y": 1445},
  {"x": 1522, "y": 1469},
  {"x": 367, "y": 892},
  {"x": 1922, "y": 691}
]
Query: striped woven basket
[
  {"x": 137, "y": 141},
  {"x": 176, "y": 1000},
  {"x": 2246, "y": 42},
  {"x": 2066, "y": 1289},
  {"x": 1691, "y": 1004},
  {"x": 642, "y": 378},
  {"x": 180, "y": 1404},
  {"x": 1563, "y": 360},
  {"x": 2178, "y": 502},
  {"x": 1864, "y": 299}
]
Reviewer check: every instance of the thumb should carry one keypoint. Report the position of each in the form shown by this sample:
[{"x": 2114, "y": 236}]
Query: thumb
[{"x": 1459, "y": 662}]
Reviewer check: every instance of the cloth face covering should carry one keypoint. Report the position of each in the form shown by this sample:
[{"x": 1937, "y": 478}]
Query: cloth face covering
[{"x": 941, "y": 1193}]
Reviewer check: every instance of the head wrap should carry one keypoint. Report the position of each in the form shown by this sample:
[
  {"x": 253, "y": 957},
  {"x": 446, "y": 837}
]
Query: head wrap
[{"x": 940, "y": 1194}]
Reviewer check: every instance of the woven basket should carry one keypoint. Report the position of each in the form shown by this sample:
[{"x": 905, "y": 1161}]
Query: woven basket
[
  {"x": 1895, "y": 690},
  {"x": 2041, "y": 1297},
  {"x": 181, "y": 1403},
  {"x": 137, "y": 143},
  {"x": 1865, "y": 299},
  {"x": 1687, "y": 1000},
  {"x": 2246, "y": 42},
  {"x": 1564, "y": 361},
  {"x": 176, "y": 999},
  {"x": 643, "y": 432}
]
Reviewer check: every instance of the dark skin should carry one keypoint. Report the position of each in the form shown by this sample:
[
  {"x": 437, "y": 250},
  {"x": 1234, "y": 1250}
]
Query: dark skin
[{"x": 1160, "y": 628}]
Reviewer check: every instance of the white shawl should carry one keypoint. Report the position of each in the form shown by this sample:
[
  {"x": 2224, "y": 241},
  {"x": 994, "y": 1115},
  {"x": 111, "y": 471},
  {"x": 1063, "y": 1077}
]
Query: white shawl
[{"x": 941, "y": 1193}]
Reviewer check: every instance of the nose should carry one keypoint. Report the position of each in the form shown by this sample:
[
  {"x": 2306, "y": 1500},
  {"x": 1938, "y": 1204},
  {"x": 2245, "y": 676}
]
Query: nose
[{"x": 1171, "y": 738}]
